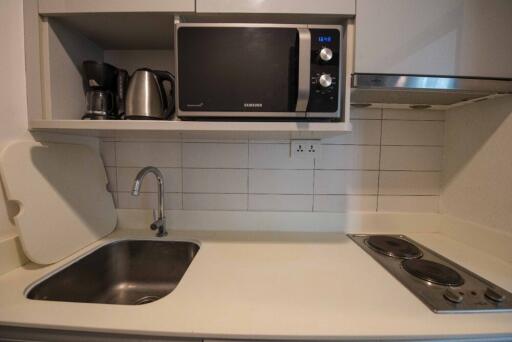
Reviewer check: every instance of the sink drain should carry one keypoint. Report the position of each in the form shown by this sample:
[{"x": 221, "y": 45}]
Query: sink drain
[{"x": 146, "y": 300}]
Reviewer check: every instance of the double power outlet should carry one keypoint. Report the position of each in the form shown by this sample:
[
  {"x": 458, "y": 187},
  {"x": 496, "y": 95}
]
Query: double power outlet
[{"x": 304, "y": 149}]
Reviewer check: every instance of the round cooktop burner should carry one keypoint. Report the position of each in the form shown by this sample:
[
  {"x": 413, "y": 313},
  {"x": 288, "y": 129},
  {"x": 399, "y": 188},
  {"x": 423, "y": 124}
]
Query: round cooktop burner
[
  {"x": 433, "y": 272},
  {"x": 393, "y": 247}
]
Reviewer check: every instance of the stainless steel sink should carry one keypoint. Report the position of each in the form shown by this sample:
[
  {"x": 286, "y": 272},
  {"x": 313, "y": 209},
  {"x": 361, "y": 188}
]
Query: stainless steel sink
[{"x": 126, "y": 272}]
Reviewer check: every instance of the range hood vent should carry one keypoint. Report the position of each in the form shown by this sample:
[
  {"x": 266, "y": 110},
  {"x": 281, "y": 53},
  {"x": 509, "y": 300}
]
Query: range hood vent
[{"x": 420, "y": 91}]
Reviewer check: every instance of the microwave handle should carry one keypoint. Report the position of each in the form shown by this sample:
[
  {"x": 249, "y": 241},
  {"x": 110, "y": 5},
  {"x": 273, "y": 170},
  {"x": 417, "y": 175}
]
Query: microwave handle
[{"x": 304, "y": 69}]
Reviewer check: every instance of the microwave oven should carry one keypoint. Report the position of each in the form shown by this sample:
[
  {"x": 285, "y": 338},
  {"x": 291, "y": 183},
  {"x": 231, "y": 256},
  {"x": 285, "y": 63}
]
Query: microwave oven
[{"x": 259, "y": 71}]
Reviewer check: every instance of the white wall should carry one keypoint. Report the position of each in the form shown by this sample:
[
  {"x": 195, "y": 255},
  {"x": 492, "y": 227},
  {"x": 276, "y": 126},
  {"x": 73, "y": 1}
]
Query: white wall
[
  {"x": 477, "y": 173},
  {"x": 391, "y": 161},
  {"x": 13, "y": 104}
]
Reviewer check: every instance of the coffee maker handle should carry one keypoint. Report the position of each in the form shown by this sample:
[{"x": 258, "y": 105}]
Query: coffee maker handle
[
  {"x": 122, "y": 80},
  {"x": 112, "y": 102},
  {"x": 169, "y": 99}
]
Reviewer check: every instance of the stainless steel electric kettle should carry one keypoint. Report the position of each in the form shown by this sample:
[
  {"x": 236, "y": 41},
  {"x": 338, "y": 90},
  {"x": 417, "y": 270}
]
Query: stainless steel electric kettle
[{"x": 146, "y": 97}]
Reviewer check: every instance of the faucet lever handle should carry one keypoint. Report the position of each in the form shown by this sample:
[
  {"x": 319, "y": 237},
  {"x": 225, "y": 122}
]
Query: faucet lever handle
[{"x": 155, "y": 215}]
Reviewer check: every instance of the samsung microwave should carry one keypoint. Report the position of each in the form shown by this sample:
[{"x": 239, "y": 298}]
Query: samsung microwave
[{"x": 258, "y": 71}]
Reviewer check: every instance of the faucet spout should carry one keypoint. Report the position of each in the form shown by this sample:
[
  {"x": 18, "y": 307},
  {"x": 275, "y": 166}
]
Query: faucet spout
[
  {"x": 136, "y": 187},
  {"x": 159, "y": 224}
]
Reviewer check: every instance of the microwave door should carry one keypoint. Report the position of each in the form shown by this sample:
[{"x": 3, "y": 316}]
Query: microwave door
[
  {"x": 304, "y": 81},
  {"x": 243, "y": 71}
]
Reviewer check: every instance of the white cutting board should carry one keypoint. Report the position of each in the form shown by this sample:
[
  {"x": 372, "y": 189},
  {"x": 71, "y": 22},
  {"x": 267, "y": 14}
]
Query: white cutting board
[{"x": 62, "y": 194}]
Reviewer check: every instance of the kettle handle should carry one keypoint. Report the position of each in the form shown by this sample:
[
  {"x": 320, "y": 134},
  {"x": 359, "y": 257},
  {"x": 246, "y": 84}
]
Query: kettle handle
[{"x": 163, "y": 76}]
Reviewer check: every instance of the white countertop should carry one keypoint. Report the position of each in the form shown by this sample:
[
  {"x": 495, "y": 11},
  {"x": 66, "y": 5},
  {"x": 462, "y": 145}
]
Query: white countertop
[{"x": 271, "y": 285}]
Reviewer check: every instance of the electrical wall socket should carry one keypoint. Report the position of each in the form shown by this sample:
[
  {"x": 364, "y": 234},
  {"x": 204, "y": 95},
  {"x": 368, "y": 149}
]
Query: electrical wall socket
[{"x": 304, "y": 148}]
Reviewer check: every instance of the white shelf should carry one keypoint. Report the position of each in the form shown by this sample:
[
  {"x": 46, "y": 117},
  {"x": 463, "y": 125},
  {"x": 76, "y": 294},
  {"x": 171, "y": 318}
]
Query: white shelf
[{"x": 137, "y": 128}]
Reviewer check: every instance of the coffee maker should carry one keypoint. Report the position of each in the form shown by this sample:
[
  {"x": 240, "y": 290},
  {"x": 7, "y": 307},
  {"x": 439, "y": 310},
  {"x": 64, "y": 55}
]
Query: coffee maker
[{"x": 105, "y": 89}]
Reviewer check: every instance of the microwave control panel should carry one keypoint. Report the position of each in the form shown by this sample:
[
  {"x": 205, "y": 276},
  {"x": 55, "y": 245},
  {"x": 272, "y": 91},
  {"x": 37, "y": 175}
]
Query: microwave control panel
[{"x": 325, "y": 71}]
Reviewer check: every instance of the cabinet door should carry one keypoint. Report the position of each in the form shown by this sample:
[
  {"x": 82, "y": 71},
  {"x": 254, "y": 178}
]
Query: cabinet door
[
  {"x": 345, "y": 7},
  {"x": 435, "y": 37},
  {"x": 98, "y": 6}
]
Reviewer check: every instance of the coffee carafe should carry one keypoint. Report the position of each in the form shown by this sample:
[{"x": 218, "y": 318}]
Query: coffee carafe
[{"x": 105, "y": 89}]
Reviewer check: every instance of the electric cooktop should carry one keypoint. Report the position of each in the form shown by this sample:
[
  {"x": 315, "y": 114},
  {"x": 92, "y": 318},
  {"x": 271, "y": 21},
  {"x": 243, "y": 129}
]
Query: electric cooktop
[{"x": 439, "y": 283}]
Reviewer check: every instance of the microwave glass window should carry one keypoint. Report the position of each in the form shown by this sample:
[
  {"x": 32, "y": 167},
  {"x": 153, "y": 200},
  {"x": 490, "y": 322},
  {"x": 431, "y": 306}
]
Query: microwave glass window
[{"x": 238, "y": 69}]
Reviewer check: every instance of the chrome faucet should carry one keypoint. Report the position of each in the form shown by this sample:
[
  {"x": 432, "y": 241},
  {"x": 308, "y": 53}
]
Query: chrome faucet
[{"x": 159, "y": 223}]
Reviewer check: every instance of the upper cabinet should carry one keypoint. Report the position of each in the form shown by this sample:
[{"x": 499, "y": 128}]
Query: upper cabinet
[
  {"x": 339, "y": 7},
  {"x": 48, "y": 7},
  {"x": 434, "y": 37},
  {"x": 131, "y": 34},
  {"x": 336, "y": 7}
]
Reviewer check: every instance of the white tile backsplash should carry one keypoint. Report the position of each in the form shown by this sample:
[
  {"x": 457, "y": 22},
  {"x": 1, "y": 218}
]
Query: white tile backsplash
[
  {"x": 280, "y": 181},
  {"x": 148, "y": 200},
  {"x": 348, "y": 157},
  {"x": 280, "y": 202},
  {"x": 397, "y": 132},
  {"x": 414, "y": 158},
  {"x": 344, "y": 203},
  {"x": 221, "y": 181},
  {"x": 215, "y": 155},
  {"x": 215, "y": 201},
  {"x": 409, "y": 183},
  {"x": 391, "y": 161},
  {"x": 140, "y": 154},
  {"x": 409, "y": 203},
  {"x": 346, "y": 182},
  {"x": 207, "y": 137}
]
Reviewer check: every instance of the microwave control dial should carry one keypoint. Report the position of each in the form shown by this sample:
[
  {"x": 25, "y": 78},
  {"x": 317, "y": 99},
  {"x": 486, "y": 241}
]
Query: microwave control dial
[
  {"x": 326, "y": 54},
  {"x": 325, "y": 80}
]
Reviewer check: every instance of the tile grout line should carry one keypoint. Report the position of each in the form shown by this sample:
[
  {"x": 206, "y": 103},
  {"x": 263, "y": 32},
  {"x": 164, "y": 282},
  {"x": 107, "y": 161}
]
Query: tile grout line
[
  {"x": 181, "y": 168},
  {"x": 314, "y": 170},
  {"x": 380, "y": 158},
  {"x": 116, "y": 196},
  {"x": 443, "y": 164},
  {"x": 275, "y": 169},
  {"x": 291, "y": 194},
  {"x": 411, "y": 120},
  {"x": 248, "y": 173}
]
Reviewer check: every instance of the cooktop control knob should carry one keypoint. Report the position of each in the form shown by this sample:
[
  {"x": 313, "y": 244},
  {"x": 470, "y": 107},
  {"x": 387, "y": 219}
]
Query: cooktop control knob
[
  {"x": 326, "y": 54},
  {"x": 494, "y": 295},
  {"x": 325, "y": 80},
  {"x": 453, "y": 296}
]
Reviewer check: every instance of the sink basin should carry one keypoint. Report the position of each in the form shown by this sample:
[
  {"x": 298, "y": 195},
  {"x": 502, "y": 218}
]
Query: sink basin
[{"x": 126, "y": 272}]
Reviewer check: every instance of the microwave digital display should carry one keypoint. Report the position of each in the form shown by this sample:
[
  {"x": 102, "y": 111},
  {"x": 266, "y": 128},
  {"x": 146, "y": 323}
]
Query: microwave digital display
[{"x": 324, "y": 39}]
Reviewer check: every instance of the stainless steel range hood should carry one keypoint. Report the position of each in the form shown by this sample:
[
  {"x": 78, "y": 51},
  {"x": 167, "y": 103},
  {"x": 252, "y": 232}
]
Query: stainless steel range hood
[{"x": 420, "y": 91}]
